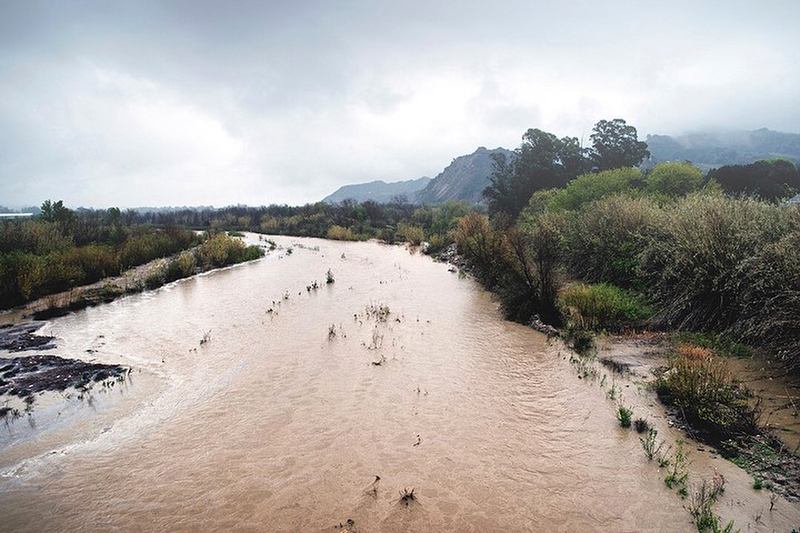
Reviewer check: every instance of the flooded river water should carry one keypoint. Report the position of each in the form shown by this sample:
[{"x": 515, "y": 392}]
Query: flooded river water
[{"x": 278, "y": 424}]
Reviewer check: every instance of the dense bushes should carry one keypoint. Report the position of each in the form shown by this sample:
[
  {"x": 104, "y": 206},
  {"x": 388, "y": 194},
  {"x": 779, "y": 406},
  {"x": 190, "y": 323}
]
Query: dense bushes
[
  {"x": 607, "y": 239},
  {"x": 414, "y": 235},
  {"x": 40, "y": 257},
  {"x": 145, "y": 244},
  {"x": 708, "y": 262},
  {"x": 518, "y": 262},
  {"x": 701, "y": 261},
  {"x": 180, "y": 266},
  {"x": 338, "y": 233},
  {"x": 770, "y": 296},
  {"x": 704, "y": 261},
  {"x": 219, "y": 250}
]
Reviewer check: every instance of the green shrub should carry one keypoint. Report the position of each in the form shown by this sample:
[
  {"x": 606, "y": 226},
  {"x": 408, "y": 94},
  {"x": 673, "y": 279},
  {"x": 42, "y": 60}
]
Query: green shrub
[
  {"x": 674, "y": 179},
  {"x": 155, "y": 279},
  {"x": 624, "y": 416},
  {"x": 438, "y": 242},
  {"x": 219, "y": 250},
  {"x": 180, "y": 267},
  {"x": 593, "y": 186},
  {"x": 538, "y": 204},
  {"x": 414, "y": 235},
  {"x": 338, "y": 233},
  {"x": 95, "y": 262},
  {"x": 148, "y": 244},
  {"x": 601, "y": 306}
]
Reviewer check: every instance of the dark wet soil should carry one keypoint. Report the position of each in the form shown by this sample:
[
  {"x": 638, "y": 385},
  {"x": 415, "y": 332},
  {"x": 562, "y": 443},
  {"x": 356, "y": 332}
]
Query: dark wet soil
[
  {"x": 27, "y": 375},
  {"x": 21, "y": 337}
]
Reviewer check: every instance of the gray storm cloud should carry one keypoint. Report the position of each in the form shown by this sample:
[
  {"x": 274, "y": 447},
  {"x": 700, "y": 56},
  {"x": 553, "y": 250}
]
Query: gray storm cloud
[{"x": 185, "y": 103}]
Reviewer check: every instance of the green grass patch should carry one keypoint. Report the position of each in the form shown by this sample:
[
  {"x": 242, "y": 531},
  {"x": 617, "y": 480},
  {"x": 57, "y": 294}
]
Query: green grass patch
[{"x": 601, "y": 307}]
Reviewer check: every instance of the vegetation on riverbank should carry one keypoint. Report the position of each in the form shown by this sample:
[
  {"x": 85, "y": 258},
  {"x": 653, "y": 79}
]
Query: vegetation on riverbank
[
  {"x": 62, "y": 249},
  {"x": 661, "y": 249},
  {"x": 397, "y": 221},
  {"x": 620, "y": 249}
]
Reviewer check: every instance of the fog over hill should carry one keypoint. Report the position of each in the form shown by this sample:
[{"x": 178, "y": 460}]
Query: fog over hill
[
  {"x": 714, "y": 149},
  {"x": 378, "y": 190}
]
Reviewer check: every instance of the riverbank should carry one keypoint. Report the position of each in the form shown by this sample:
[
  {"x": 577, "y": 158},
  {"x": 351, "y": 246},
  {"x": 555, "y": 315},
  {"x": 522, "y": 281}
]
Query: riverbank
[
  {"x": 759, "y": 486},
  {"x": 144, "y": 277},
  {"x": 642, "y": 361},
  {"x": 24, "y": 377}
]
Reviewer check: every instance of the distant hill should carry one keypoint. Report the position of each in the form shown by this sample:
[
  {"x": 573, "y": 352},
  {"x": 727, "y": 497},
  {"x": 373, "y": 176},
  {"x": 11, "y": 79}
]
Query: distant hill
[
  {"x": 715, "y": 149},
  {"x": 379, "y": 190},
  {"x": 463, "y": 179}
]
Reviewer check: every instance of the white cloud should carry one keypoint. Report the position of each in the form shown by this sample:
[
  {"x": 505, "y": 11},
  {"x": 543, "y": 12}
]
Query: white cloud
[{"x": 269, "y": 102}]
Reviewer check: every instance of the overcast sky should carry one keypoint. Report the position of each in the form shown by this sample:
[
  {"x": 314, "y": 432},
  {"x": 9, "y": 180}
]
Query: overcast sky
[{"x": 196, "y": 102}]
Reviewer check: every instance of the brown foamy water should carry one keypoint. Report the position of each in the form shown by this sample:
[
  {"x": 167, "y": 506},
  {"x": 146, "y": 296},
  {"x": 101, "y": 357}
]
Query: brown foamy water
[{"x": 274, "y": 425}]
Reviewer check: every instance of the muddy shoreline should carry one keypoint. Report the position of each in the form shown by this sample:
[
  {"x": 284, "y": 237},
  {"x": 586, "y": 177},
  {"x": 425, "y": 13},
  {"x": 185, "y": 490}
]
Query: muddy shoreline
[{"x": 642, "y": 358}]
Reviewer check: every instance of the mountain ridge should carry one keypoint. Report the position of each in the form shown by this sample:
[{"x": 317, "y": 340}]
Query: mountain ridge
[
  {"x": 468, "y": 175},
  {"x": 377, "y": 190}
]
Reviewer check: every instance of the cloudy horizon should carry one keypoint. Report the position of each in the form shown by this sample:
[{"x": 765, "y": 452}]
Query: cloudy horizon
[{"x": 200, "y": 103}]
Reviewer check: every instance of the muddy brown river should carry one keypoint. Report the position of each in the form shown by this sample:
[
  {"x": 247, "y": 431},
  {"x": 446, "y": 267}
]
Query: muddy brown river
[{"x": 300, "y": 400}]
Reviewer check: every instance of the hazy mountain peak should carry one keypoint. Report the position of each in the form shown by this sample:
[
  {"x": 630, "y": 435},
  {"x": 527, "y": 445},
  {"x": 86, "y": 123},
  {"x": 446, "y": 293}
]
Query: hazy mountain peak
[{"x": 378, "y": 190}]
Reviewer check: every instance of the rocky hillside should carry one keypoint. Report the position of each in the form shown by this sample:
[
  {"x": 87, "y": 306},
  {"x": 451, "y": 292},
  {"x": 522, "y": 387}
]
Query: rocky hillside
[
  {"x": 379, "y": 190},
  {"x": 715, "y": 149},
  {"x": 463, "y": 179}
]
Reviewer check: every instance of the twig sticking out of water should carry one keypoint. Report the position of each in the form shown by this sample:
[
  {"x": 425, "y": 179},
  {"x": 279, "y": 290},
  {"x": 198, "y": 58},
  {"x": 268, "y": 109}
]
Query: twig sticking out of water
[{"x": 373, "y": 488}]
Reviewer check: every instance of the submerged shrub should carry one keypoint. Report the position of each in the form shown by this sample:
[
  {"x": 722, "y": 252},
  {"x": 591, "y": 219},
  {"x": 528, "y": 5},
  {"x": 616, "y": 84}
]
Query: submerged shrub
[
  {"x": 624, "y": 416},
  {"x": 601, "y": 306}
]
